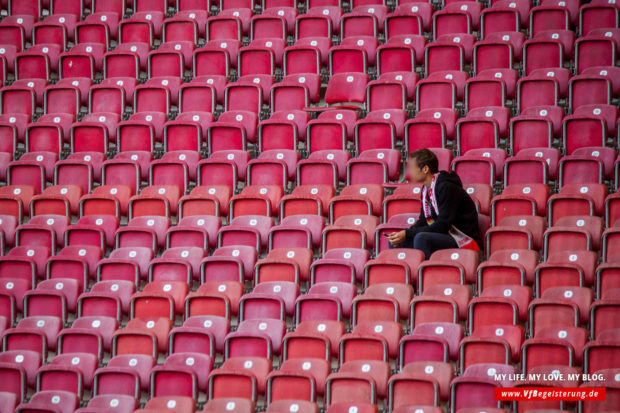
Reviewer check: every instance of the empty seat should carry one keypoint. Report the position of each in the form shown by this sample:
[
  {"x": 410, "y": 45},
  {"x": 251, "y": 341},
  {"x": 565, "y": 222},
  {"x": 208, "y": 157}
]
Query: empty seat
[
  {"x": 440, "y": 56},
  {"x": 477, "y": 380},
  {"x": 307, "y": 199},
  {"x": 498, "y": 50},
  {"x": 593, "y": 16},
  {"x": 576, "y": 199},
  {"x": 249, "y": 230},
  {"x": 350, "y": 388},
  {"x": 347, "y": 88},
  {"x": 431, "y": 342},
  {"x": 353, "y": 231},
  {"x": 41, "y": 401},
  {"x": 498, "y": 19},
  {"x": 439, "y": 91},
  {"x": 588, "y": 89}
]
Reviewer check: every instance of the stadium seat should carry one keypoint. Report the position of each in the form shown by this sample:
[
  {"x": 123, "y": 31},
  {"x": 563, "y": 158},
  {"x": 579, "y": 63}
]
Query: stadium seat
[{"x": 148, "y": 149}]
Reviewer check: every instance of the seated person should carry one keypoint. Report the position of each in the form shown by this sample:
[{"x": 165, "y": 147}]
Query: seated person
[{"x": 448, "y": 217}]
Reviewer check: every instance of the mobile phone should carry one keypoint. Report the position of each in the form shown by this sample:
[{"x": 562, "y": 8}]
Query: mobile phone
[{"x": 385, "y": 234}]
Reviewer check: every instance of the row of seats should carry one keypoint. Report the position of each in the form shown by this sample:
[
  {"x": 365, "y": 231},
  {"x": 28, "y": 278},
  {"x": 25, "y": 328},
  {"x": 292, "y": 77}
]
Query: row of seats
[
  {"x": 120, "y": 193},
  {"x": 279, "y": 275},
  {"x": 151, "y": 276},
  {"x": 268, "y": 56},
  {"x": 357, "y": 386},
  {"x": 575, "y": 237},
  {"x": 194, "y": 128},
  {"x": 547, "y": 85},
  {"x": 322, "y": 19},
  {"x": 544, "y": 278},
  {"x": 453, "y": 16},
  {"x": 590, "y": 200},
  {"x": 277, "y": 169},
  {"x": 493, "y": 318}
]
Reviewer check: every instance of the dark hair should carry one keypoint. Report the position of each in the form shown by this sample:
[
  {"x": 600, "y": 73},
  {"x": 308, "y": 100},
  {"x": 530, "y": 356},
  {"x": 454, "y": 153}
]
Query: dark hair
[{"x": 426, "y": 157}]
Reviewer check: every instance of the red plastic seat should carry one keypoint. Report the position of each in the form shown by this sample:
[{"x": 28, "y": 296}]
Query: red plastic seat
[
  {"x": 347, "y": 88},
  {"x": 575, "y": 169},
  {"x": 369, "y": 196},
  {"x": 499, "y": 19},
  {"x": 431, "y": 128},
  {"x": 487, "y": 123},
  {"x": 549, "y": 17},
  {"x": 38, "y": 62},
  {"x": 608, "y": 72},
  {"x": 379, "y": 130},
  {"x": 183, "y": 29},
  {"x": 402, "y": 20},
  {"x": 595, "y": 15},
  {"x": 494, "y": 343},
  {"x": 492, "y": 54},
  {"x": 436, "y": 94},
  {"x": 450, "y": 21},
  {"x": 42, "y": 230},
  {"x": 439, "y": 56},
  {"x": 297, "y": 257},
  {"x": 577, "y": 198},
  {"x": 593, "y": 132},
  {"x": 349, "y": 388},
  {"x": 249, "y": 230},
  {"x": 56, "y": 200},
  {"x": 354, "y": 231},
  {"x": 388, "y": 94},
  {"x": 183, "y": 404},
  {"x": 283, "y": 130},
  {"x": 244, "y": 259},
  {"x": 475, "y": 169},
  {"x": 440, "y": 303},
  {"x": 124, "y": 375},
  {"x": 520, "y": 199},
  {"x": 124, "y": 403},
  {"x": 431, "y": 342},
  {"x": 349, "y": 57},
  {"x": 397, "y": 56},
  {"x": 562, "y": 313},
  {"x": 602, "y": 314},
  {"x": 41, "y": 401},
  {"x": 297, "y": 230},
  {"x": 479, "y": 382},
  {"x": 307, "y": 199},
  {"x": 318, "y": 22},
  {"x": 224, "y": 167},
  {"x": 229, "y": 25},
  {"x": 420, "y": 372},
  {"x": 404, "y": 199},
  {"x": 211, "y": 200},
  {"x": 315, "y": 368},
  {"x": 306, "y": 56},
  {"x": 498, "y": 50},
  {"x": 336, "y": 266},
  {"x": 588, "y": 89},
  {"x": 360, "y": 22},
  {"x": 508, "y": 77},
  {"x": 232, "y": 131},
  {"x": 260, "y": 57},
  {"x": 323, "y": 134}
]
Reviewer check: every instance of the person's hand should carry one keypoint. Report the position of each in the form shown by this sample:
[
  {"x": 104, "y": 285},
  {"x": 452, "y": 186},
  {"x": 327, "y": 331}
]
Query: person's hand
[{"x": 397, "y": 238}]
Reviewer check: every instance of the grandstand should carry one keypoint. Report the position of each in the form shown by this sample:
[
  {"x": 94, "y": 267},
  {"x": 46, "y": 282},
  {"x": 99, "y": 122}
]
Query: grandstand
[{"x": 194, "y": 196}]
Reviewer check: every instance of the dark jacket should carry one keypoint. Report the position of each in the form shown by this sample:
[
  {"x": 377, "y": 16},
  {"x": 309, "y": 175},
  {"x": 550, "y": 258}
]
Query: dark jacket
[{"x": 455, "y": 208}]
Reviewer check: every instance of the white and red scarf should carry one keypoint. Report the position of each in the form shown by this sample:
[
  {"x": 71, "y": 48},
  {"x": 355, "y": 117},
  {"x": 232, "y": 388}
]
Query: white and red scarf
[{"x": 462, "y": 239}]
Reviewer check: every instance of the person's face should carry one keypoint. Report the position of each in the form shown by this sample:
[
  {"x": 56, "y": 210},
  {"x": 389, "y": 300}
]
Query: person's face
[{"x": 414, "y": 172}]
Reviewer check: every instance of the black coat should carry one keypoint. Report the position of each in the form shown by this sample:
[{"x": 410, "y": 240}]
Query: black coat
[{"x": 455, "y": 208}]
